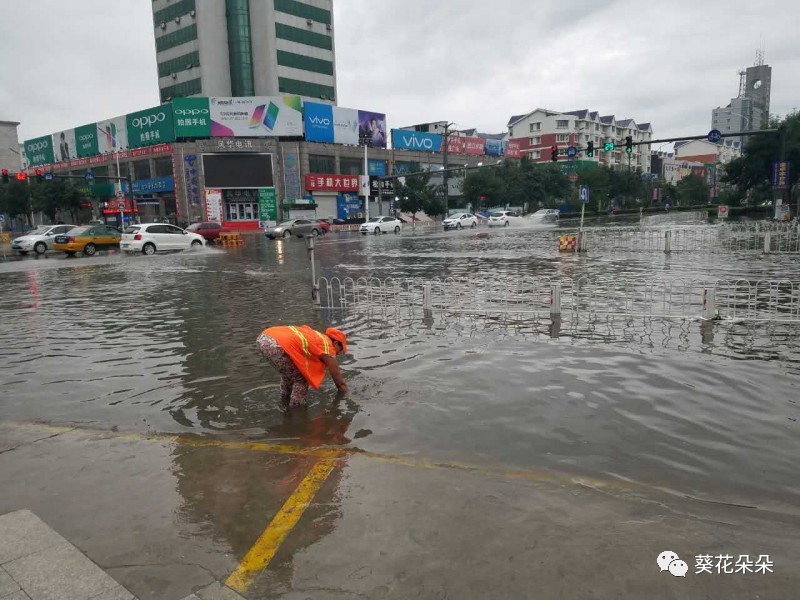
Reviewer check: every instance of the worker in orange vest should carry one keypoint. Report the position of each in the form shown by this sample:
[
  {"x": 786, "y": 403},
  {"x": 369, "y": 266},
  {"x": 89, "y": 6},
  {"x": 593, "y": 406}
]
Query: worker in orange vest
[{"x": 300, "y": 354}]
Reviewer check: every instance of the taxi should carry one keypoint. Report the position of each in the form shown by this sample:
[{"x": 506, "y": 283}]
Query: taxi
[{"x": 87, "y": 239}]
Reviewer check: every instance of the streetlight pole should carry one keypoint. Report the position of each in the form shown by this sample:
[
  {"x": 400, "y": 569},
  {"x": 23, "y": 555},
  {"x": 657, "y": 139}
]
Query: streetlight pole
[
  {"x": 119, "y": 180},
  {"x": 27, "y": 181},
  {"x": 445, "y": 156}
]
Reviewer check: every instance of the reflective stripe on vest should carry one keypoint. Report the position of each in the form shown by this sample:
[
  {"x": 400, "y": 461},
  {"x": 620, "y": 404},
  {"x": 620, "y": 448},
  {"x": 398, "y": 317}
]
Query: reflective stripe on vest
[
  {"x": 303, "y": 341},
  {"x": 325, "y": 342}
]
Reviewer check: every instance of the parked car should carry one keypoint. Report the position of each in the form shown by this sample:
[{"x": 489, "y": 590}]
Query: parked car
[
  {"x": 298, "y": 227},
  {"x": 208, "y": 229},
  {"x": 87, "y": 239},
  {"x": 546, "y": 215},
  {"x": 39, "y": 240},
  {"x": 149, "y": 238},
  {"x": 504, "y": 218},
  {"x": 460, "y": 220},
  {"x": 381, "y": 225},
  {"x": 326, "y": 226}
]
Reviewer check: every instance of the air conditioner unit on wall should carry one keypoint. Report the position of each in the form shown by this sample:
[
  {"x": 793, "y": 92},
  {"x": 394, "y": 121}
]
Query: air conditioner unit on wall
[
  {"x": 328, "y": 27},
  {"x": 192, "y": 14},
  {"x": 177, "y": 19},
  {"x": 174, "y": 75},
  {"x": 309, "y": 22},
  {"x": 163, "y": 25}
]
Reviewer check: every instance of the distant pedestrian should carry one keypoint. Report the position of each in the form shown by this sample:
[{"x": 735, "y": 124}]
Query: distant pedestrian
[
  {"x": 666, "y": 206},
  {"x": 301, "y": 354}
]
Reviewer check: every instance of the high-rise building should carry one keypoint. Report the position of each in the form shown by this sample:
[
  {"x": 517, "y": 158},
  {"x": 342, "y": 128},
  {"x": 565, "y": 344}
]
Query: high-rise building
[
  {"x": 245, "y": 48},
  {"x": 750, "y": 110}
]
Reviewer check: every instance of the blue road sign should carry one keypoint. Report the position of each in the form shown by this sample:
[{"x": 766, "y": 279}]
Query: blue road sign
[
  {"x": 89, "y": 176},
  {"x": 585, "y": 194},
  {"x": 48, "y": 176},
  {"x": 715, "y": 136},
  {"x": 572, "y": 152}
]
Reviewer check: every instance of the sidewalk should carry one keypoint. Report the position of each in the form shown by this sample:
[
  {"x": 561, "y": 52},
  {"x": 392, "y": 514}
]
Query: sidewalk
[{"x": 36, "y": 563}]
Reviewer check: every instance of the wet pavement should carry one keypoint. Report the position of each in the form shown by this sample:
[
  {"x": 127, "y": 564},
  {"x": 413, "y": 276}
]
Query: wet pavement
[{"x": 473, "y": 458}]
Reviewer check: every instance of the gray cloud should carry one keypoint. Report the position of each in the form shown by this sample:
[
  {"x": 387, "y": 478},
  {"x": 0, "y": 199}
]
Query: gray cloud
[{"x": 469, "y": 61}]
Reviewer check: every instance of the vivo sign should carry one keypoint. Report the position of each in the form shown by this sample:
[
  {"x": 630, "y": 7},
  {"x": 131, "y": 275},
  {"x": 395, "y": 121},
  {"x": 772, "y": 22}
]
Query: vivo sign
[
  {"x": 416, "y": 140},
  {"x": 320, "y": 121}
]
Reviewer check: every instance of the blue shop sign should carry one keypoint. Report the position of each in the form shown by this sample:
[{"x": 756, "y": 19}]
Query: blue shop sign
[{"x": 150, "y": 186}]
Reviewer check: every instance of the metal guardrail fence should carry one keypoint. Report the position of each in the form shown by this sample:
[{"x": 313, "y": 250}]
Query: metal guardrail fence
[
  {"x": 574, "y": 299},
  {"x": 691, "y": 239}
]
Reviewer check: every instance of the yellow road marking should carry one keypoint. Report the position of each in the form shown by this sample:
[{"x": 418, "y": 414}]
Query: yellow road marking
[{"x": 262, "y": 552}]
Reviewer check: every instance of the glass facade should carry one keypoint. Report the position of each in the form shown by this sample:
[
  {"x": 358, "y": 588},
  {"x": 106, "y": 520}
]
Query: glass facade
[
  {"x": 307, "y": 63},
  {"x": 305, "y": 88},
  {"x": 141, "y": 169},
  {"x": 351, "y": 166},
  {"x": 301, "y": 36},
  {"x": 181, "y": 63},
  {"x": 239, "y": 48},
  {"x": 181, "y": 90},
  {"x": 179, "y": 9},
  {"x": 176, "y": 38},
  {"x": 304, "y": 11},
  {"x": 321, "y": 164},
  {"x": 164, "y": 166}
]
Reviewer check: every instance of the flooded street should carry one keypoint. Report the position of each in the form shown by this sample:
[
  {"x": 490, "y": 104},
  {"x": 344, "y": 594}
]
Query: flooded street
[{"x": 121, "y": 354}]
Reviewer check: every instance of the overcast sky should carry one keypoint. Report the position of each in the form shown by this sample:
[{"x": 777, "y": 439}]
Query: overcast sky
[{"x": 68, "y": 63}]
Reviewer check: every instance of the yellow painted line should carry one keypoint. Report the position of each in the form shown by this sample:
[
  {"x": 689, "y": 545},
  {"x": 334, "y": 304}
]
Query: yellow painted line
[
  {"x": 262, "y": 552},
  {"x": 193, "y": 441}
]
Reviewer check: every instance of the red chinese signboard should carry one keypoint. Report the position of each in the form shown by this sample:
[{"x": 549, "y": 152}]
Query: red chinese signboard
[
  {"x": 331, "y": 183},
  {"x": 474, "y": 145},
  {"x": 456, "y": 144},
  {"x": 513, "y": 149}
]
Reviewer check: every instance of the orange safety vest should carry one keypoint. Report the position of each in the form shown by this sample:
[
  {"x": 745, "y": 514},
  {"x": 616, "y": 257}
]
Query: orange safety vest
[{"x": 304, "y": 346}]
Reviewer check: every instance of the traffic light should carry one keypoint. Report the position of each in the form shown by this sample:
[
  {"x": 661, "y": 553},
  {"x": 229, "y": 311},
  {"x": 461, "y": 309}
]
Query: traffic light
[
  {"x": 629, "y": 144},
  {"x": 554, "y": 153},
  {"x": 590, "y": 149},
  {"x": 609, "y": 147},
  {"x": 22, "y": 176},
  {"x": 39, "y": 175},
  {"x": 5, "y": 175}
]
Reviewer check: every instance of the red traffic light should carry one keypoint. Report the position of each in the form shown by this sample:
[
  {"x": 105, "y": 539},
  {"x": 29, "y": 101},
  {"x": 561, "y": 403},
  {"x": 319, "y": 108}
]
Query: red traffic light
[
  {"x": 5, "y": 175},
  {"x": 39, "y": 172},
  {"x": 21, "y": 176}
]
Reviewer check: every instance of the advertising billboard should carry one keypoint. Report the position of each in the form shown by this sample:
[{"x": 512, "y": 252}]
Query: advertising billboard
[
  {"x": 513, "y": 149},
  {"x": 456, "y": 144},
  {"x": 257, "y": 116},
  {"x": 474, "y": 145},
  {"x": 494, "y": 147},
  {"x": 64, "y": 146},
  {"x": 86, "y": 140},
  {"x": 151, "y": 126},
  {"x": 376, "y": 167},
  {"x": 403, "y": 139},
  {"x": 330, "y": 124},
  {"x": 192, "y": 117},
  {"x": 213, "y": 204},
  {"x": 39, "y": 151},
  {"x": 112, "y": 135},
  {"x": 371, "y": 129}
]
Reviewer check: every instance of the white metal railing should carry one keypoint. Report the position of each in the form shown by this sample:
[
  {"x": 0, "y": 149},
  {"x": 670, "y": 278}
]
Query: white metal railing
[
  {"x": 690, "y": 239},
  {"x": 761, "y": 300}
]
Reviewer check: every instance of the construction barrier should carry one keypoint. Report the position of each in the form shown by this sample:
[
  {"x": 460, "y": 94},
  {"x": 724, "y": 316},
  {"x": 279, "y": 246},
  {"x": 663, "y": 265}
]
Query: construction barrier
[
  {"x": 567, "y": 243},
  {"x": 230, "y": 239}
]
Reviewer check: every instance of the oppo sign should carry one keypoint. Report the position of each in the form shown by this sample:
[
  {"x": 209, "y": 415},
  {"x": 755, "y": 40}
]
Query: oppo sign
[
  {"x": 191, "y": 112},
  {"x": 148, "y": 121},
  {"x": 36, "y": 147}
]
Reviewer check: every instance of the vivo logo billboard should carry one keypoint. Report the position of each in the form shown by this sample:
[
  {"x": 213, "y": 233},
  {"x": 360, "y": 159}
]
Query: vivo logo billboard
[{"x": 416, "y": 140}]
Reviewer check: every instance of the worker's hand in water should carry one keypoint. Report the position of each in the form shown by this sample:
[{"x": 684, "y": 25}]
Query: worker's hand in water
[{"x": 342, "y": 387}]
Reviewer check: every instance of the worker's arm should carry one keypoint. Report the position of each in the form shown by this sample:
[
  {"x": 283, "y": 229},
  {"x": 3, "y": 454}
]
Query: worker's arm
[{"x": 333, "y": 369}]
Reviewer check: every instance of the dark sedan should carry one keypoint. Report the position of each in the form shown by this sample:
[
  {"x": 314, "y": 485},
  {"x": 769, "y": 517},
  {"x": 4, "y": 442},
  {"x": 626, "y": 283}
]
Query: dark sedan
[{"x": 208, "y": 229}]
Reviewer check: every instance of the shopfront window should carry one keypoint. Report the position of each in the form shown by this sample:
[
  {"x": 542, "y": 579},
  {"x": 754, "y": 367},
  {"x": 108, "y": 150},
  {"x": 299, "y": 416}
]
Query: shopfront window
[
  {"x": 321, "y": 164},
  {"x": 240, "y": 205},
  {"x": 351, "y": 166},
  {"x": 163, "y": 166},
  {"x": 141, "y": 170}
]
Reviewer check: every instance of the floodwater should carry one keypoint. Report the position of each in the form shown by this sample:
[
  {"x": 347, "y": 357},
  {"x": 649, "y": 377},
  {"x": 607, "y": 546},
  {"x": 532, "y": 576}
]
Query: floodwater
[{"x": 167, "y": 344}]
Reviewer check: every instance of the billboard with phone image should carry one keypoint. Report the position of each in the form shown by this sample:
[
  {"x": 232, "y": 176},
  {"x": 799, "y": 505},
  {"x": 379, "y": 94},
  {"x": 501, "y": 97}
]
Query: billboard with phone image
[
  {"x": 257, "y": 116},
  {"x": 112, "y": 135}
]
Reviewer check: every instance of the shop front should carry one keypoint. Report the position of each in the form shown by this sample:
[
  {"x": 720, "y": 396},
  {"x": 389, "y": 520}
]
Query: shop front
[
  {"x": 155, "y": 198},
  {"x": 327, "y": 191}
]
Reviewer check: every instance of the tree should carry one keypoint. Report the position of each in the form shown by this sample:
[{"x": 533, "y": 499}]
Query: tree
[
  {"x": 15, "y": 200},
  {"x": 415, "y": 194},
  {"x": 57, "y": 195},
  {"x": 483, "y": 187},
  {"x": 626, "y": 187},
  {"x": 692, "y": 190}
]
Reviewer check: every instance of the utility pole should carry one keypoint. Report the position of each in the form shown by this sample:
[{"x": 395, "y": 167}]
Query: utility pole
[{"x": 445, "y": 174}]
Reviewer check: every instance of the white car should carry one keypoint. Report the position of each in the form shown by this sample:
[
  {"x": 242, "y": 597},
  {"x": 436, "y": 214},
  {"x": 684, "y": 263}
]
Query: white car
[
  {"x": 381, "y": 225},
  {"x": 504, "y": 218},
  {"x": 546, "y": 215},
  {"x": 40, "y": 240},
  {"x": 460, "y": 221},
  {"x": 149, "y": 238}
]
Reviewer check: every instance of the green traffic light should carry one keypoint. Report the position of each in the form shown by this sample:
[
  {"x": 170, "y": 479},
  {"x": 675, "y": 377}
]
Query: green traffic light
[
  {"x": 629, "y": 150},
  {"x": 609, "y": 147}
]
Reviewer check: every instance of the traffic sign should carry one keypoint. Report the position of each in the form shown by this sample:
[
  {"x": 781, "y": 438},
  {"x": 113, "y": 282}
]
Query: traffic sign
[
  {"x": 48, "y": 176},
  {"x": 89, "y": 176},
  {"x": 585, "y": 194},
  {"x": 608, "y": 146},
  {"x": 722, "y": 211},
  {"x": 715, "y": 136},
  {"x": 572, "y": 152},
  {"x": 120, "y": 195}
]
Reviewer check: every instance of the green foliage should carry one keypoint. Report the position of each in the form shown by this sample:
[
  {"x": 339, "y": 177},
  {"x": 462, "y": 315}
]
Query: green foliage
[
  {"x": 752, "y": 172},
  {"x": 692, "y": 190},
  {"x": 15, "y": 199},
  {"x": 416, "y": 194},
  {"x": 57, "y": 195},
  {"x": 516, "y": 184}
]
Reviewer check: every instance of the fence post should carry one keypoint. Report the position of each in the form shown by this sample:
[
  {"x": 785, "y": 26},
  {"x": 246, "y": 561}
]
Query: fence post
[
  {"x": 667, "y": 242},
  {"x": 310, "y": 244},
  {"x": 426, "y": 296},
  {"x": 555, "y": 300},
  {"x": 767, "y": 242},
  {"x": 709, "y": 303}
]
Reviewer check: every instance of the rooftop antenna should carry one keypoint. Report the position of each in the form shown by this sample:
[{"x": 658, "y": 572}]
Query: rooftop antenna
[
  {"x": 742, "y": 82},
  {"x": 760, "y": 52}
]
